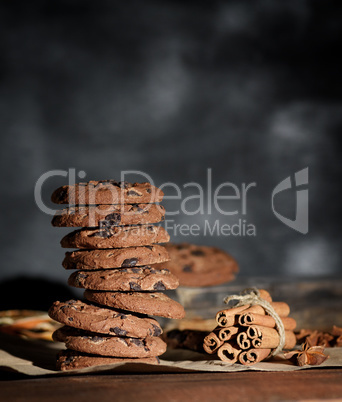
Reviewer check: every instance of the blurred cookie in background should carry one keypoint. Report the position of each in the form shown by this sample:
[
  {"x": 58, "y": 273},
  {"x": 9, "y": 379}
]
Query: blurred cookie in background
[{"x": 200, "y": 266}]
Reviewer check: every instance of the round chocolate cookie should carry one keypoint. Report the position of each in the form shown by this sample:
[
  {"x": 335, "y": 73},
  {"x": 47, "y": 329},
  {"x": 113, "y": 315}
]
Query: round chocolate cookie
[
  {"x": 73, "y": 360},
  {"x": 116, "y": 237},
  {"x": 115, "y": 258},
  {"x": 106, "y": 216},
  {"x": 114, "y": 346},
  {"x": 200, "y": 265},
  {"x": 145, "y": 303},
  {"x": 107, "y": 192},
  {"x": 124, "y": 280},
  {"x": 103, "y": 320}
]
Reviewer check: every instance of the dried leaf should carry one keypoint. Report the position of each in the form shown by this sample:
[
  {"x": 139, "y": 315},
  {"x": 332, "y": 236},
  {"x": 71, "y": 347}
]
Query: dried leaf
[
  {"x": 302, "y": 335},
  {"x": 315, "y": 338},
  {"x": 336, "y": 331},
  {"x": 338, "y": 342}
]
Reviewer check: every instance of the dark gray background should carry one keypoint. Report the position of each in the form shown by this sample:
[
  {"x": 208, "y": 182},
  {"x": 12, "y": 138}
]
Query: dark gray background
[{"x": 249, "y": 89}]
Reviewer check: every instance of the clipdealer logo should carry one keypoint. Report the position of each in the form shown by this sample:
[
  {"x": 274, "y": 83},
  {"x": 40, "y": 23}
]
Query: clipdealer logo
[
  {"x": 301, "y": 222},
  {"x": 203, "y": 202}
]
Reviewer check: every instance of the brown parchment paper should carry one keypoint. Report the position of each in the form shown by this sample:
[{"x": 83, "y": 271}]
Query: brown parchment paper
[{"x": 37, "y": 358}]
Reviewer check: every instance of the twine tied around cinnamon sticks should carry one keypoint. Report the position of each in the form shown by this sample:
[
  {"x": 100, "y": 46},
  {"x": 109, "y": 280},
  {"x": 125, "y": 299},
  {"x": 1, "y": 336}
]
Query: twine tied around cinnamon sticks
[{"x": 251, "y": 296}]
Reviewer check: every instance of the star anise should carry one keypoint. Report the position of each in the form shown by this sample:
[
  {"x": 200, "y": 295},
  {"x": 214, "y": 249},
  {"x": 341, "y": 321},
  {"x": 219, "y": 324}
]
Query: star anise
[{"x": 309, "y": 355}]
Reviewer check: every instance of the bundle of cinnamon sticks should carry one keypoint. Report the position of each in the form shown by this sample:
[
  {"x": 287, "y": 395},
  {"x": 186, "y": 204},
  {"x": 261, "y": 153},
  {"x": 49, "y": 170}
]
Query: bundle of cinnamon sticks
[{"x": 247, "y": 334}]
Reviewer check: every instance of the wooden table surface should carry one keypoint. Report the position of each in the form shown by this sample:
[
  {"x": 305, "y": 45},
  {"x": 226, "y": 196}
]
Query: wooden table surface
[{"x": 316, "y": 384}]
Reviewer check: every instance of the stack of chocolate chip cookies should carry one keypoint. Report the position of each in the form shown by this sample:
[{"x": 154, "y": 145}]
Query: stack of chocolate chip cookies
[{"x": 117, "y": 247}]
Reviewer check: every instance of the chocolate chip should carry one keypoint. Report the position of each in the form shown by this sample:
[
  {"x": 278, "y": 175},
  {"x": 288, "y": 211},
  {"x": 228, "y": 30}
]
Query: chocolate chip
[
  {"x": 62, "y": 195},
  {"x": 99, "y": 182},
  {"x": 129, "y": 262},
  {"x": 102, "y": 233},
  {"x": 70, "y": 319},
  {"x": 135, "y": 270},
  {"x": 148, "y": 190},
  {"x": 187, "y": 268},
  {"x": 122, "y": 316},
  {"x": 80, "y": 275},
  {"x": 118, "y": 331},
  {"x": 125, "y": 184},
  {"x": 156, "y": 330},
  {"x": 121, "y": 184},
  {"x": 134, "y": 286},
  {"x": 137, "y": 208},
  {"x": 137, "y": 342},
  {"x": 197, "y": 252},
  {"x": 159, "y": 286},
  {"x": 133, "y": 193},
  {"x": 149, "y": 247},
  {"x": 69, "y": 359},
  {"x": 97, "y": 338},
  {"x": 111, "y": 220}
]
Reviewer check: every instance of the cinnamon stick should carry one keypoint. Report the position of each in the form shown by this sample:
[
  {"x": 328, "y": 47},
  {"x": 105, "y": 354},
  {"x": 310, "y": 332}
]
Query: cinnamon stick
[
  {"x": 281, "y": 308},
  {"x": 229, "y": 317},
  {"x": 226, "y": 318},
  {"x": 247, "y": 319},
  {"x": 211, "y": 343},
  {"x": 225, "y": 334},
  {"x": 269, "y": 338},
  {"x": 252, "y": 356},
  {"x": 255, "y": 310},
  {"x": 228, "y": 353},
  {"x": 265, "y": 295},
  {"x": 254, "y": 332},
  {"x": 243, "y": 341}
]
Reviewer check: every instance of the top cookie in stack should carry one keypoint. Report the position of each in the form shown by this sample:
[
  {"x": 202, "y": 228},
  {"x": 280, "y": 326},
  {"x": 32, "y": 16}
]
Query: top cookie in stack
[
  {"x": 107, "y": 192},
  {"x": 116, "y": 247}
]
